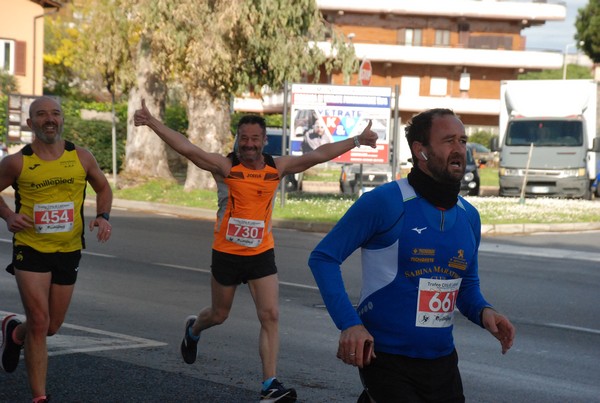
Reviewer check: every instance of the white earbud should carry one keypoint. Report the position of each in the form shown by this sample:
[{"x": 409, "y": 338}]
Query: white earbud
[{"x": 424, "y": 156}]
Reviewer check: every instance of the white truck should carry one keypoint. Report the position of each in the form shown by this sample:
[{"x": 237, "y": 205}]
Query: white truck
[{"x": 548, "y": 139}]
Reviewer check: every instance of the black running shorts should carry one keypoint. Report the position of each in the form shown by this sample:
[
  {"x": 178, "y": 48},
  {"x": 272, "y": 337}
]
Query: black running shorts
[
  {"x": 62, "y": 265},
  {"x": 230, "y": 269},
  {"x": 394, "y": 378}
]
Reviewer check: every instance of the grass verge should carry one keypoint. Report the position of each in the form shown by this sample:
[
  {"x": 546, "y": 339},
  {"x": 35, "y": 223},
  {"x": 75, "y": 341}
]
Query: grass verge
[{"x": 329, "y": 208}]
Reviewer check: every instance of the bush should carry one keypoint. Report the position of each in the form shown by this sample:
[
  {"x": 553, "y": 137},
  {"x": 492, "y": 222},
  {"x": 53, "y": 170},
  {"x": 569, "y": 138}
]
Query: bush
[
  {"x": 481, "y": 137},
  {"x": 176, "y": 118},
  {"x": 8, "y": 83},
  {"x": 96, "y": 136},
  {"x": 272, "y": 120},
  {"x": 3, "y": 117}
]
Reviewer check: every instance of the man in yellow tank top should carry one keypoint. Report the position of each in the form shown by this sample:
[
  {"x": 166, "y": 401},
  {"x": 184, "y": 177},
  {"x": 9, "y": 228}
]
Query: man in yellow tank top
[
  {"x": 243, "y": 242},
  {"x": 49, "y": 177}
]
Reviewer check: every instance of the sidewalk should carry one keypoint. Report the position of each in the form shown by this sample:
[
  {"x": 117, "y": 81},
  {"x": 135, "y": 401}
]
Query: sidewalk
[{"x": 207, "y": 214}]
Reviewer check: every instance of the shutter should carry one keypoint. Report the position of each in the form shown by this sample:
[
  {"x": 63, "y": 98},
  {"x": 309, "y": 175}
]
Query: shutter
[{"x": 20, "y": 58}]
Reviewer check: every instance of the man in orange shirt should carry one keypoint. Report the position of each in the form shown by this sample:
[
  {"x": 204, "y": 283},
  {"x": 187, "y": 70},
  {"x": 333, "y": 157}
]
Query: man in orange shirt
[{"x": 243, "y": 243}]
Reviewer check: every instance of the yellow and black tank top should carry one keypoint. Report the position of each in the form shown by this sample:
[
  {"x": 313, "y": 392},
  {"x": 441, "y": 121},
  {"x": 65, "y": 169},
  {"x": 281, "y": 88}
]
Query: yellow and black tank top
[
  {"x": 243, "y": 224},
  {"x": 52, "y": 194}
]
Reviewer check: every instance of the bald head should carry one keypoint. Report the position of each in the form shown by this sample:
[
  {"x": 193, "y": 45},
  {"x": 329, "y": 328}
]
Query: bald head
[
  {"x": 46, "y": 119},
  {"x": 41, "y": 102}
]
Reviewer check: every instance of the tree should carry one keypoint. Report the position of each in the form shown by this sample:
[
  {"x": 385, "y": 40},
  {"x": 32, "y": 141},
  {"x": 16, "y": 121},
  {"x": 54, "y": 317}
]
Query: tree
[
  {"x": 61, "y": 44},
  {"x": 574, "y": 72},
  {"x": 105, "y": 51},
  {"x": 587, "y": 24},
  {"x": 146, "y": 154},
  {"x": 219, "y": 48},
  {"x": 8, "y": 85}
]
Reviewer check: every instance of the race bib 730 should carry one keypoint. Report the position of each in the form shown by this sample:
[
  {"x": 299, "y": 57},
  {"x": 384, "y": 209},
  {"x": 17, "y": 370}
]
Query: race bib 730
[{"x": 245, "y": 232}]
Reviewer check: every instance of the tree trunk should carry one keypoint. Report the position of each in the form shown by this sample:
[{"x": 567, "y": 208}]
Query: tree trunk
[
  {"x": 145, "y": 152},
  {"x": 209, "y": 128}
]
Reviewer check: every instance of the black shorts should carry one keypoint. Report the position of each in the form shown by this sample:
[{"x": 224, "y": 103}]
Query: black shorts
[
  {"x": 392, "y": 378},
  {"x": 62, "y": 265},
  {"x": 230, "y": 269}
]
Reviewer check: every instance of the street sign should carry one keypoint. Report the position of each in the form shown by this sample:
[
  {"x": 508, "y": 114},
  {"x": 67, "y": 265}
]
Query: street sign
[{"x": 364, "y": 72}]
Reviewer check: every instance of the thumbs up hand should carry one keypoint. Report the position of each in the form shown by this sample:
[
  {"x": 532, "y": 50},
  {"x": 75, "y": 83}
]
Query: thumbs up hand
[{"x": 142, "y": 116}]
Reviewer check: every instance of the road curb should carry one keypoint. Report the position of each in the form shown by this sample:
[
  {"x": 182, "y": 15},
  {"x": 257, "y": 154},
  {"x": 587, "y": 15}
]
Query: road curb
[{"x": 208, "y": 214}]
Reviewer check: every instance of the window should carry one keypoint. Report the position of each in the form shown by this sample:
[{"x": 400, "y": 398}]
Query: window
[
  {"x": 442, "y": 37},
  {"x": 438, "y": 86},
  {"x": 413, "y": 37},
  {"x": 7, "y": 55},
  {"x": 409, "y": 86},
  {"x": 409, "y": 36}
]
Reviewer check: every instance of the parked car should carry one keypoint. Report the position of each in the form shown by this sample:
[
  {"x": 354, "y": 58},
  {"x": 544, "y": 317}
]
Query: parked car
[
  {"x": 481, "y": 153},
  {"x": 3, "y": 150},
  {"x": 469, "y": 185},
  {"x": 273, "y": 147},
  {"x": 596, "y": 186},
  {"x": 373, "y": 175}
]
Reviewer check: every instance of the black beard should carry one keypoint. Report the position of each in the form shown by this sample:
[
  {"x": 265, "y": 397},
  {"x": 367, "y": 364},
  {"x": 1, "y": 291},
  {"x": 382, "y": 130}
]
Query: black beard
[{"x": 440, "y": 194}]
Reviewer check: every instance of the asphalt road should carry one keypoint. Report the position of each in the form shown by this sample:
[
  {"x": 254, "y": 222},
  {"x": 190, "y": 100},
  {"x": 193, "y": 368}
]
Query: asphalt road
[{"x": 121, "y": 337}]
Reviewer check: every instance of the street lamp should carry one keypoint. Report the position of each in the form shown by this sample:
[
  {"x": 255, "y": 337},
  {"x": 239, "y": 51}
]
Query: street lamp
[{"x": 565, "y": 57}]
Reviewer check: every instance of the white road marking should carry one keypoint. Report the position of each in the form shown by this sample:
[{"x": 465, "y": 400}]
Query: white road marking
[
  {"x": 80, "y": 339},
  {"x": 536, "y": 251}
]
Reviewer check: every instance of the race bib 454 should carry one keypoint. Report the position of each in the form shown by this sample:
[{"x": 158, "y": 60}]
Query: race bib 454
[{"x": 53, "y": 217}]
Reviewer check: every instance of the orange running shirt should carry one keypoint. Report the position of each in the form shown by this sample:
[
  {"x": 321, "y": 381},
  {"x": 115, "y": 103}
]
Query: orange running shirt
[{"x": 243, "y": 225}]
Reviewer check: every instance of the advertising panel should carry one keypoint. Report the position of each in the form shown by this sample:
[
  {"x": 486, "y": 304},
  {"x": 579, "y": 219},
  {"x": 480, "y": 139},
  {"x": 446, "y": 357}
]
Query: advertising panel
[
  {"x": 326, "y": 113},
  {"x": 18, "y": 112}
]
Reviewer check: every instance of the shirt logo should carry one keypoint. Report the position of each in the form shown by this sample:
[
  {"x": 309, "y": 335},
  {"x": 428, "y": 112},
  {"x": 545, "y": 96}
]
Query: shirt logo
[
  {"x": 419, "y": 230},
  {"x": 34, "y": 166}
]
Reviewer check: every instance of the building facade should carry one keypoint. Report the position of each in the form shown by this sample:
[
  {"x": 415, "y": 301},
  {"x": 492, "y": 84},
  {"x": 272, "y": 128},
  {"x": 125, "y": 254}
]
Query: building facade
[
  {"x": 437, "y": 53},
  {"x": 22, "y": 41}
]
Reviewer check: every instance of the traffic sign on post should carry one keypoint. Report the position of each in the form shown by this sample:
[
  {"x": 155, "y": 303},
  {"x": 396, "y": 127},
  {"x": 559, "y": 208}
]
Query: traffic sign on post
[{"x": 364, "y": 72}]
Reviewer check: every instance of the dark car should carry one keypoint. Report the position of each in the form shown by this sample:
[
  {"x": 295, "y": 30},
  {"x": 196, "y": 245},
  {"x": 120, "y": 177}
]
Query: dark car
[
  {"x": 273, "y": 147},
  {"x": 373, "y": 175},
  {"x": 469, "y": 185},
  {"x": 481, "y": 153}
]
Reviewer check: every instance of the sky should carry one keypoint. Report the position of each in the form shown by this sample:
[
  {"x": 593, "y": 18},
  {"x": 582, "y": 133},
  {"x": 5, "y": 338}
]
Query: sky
[{"x": 555, "y": 35}]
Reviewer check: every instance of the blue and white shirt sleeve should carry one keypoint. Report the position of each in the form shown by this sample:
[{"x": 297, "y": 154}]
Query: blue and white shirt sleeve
[{"x": 368, "y": 215}]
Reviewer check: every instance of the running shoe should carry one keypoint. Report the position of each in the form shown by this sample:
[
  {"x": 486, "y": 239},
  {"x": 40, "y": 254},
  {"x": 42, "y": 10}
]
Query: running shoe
[
  {"x": 189, "y": 346},
  {"x": 276, "y": 392},
  {"x": 10, "y": 350}
]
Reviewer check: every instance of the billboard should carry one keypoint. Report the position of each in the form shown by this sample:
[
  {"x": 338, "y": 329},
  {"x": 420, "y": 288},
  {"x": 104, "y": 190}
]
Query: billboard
[
  {"x": 18, "y": 112},
  {"x": 324, "y": 113}
]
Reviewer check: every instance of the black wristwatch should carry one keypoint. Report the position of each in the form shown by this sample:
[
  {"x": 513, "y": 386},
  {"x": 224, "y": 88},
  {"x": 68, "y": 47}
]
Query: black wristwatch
[{"x": 106, "y": 216}]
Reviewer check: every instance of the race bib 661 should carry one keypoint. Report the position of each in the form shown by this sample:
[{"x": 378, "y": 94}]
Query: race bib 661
[{"x": 436, "y": 302}]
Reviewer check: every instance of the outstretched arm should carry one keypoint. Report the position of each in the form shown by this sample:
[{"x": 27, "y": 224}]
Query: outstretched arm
[
  {"x": 499, "y": 326},
  {"x": 294, "y": 164},
  {"x": 211, "y": 162}
]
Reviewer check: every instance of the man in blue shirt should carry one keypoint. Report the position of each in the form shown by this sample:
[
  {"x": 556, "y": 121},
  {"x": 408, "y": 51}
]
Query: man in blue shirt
[{"x": 419, "y": 242}]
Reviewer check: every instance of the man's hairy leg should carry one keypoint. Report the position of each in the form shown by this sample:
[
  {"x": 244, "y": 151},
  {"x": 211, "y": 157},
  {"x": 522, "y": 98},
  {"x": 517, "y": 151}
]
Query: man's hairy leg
[{"x": 265, "y": 292}]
